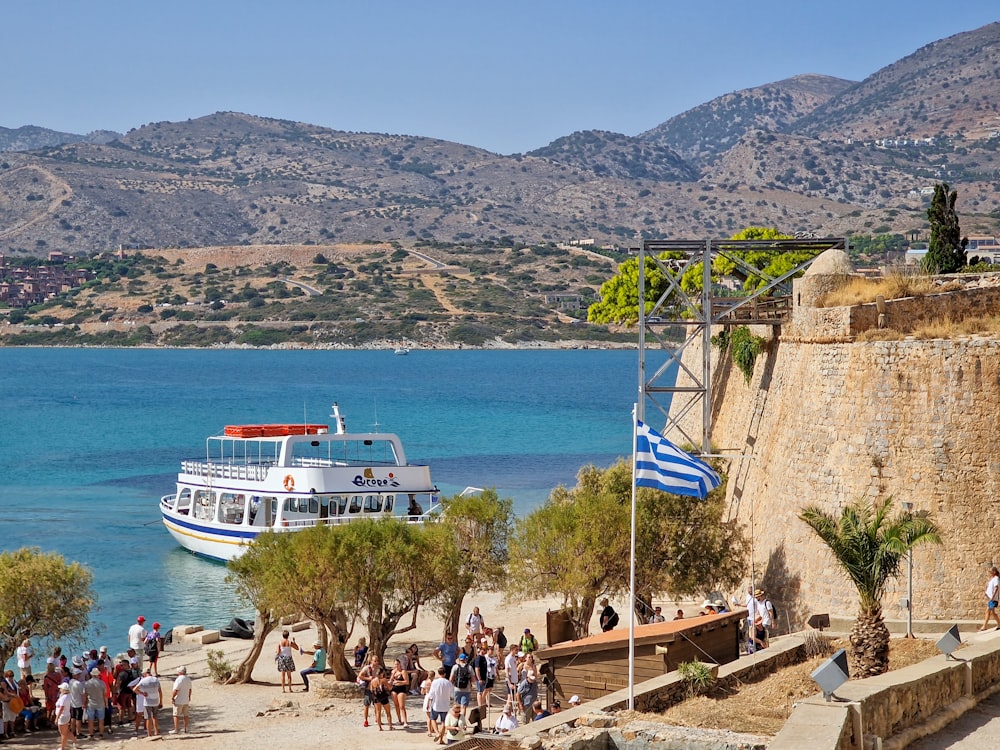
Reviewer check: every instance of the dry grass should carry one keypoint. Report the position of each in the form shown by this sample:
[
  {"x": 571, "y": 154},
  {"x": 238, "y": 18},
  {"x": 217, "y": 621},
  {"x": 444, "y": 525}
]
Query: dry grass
[
  {"x": 763, "y": 706},
  {"x": 894, "y": 285},
  {"x": 945, "y": 328}
]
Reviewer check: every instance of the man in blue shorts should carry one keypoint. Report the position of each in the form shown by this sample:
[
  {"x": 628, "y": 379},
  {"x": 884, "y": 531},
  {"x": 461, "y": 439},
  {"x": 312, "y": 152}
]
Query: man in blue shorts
[
  {"x": 439, "y": 697},
  {"x": 461, "y": 678}
]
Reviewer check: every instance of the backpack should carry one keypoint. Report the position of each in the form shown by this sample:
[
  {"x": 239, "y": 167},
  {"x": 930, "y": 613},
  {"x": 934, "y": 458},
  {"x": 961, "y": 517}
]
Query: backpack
[
  {"x": 151, "y": 648},
  {"x": 501, "y": 639},
  {"x": 774, "y": 612},
  {"x": 462, "y": 677}
]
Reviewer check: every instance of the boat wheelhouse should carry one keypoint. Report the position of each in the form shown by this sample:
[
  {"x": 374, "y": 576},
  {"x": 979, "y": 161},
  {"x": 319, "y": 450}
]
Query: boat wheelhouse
[{"x": 287, "y": 477}]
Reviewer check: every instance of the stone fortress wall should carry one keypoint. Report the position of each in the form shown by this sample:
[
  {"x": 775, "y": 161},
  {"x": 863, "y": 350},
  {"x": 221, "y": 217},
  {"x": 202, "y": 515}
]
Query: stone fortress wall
[{"x": 828, "y": 420}]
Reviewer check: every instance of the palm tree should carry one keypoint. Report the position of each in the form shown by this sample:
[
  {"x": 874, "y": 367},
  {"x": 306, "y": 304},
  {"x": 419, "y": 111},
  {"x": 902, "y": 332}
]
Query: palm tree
[{"x": 870, "y": 547}]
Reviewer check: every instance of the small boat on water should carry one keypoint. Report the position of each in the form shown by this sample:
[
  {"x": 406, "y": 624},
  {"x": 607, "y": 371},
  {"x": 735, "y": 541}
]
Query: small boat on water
[
  {"x": 288, "y": 477},
  {"x": 401, "y": 350}
]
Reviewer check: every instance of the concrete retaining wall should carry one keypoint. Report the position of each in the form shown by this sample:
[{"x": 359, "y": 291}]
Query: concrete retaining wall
[{"x": 896, "y": 708}]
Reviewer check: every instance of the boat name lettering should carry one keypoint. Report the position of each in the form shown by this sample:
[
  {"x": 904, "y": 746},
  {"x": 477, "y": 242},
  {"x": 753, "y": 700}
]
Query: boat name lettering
[{"x": 362, "y": 481}]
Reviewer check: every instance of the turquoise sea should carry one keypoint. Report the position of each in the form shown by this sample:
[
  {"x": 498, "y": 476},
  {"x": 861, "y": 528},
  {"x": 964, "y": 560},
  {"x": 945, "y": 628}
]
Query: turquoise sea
[{"x": 91, "y": 438}]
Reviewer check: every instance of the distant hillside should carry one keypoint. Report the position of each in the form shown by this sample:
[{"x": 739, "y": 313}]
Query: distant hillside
[
  {"x": 810, "y": 154},
  {"x": 948, "y": 87},
  {"x": 615, "y": 155},
  {"x": 31, "y": 137},
  {"x": 701, "y": 134}
]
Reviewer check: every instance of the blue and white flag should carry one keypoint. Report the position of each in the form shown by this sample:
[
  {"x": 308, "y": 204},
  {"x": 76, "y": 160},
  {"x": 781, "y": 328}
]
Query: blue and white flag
[{"x": 663, "y": 466}]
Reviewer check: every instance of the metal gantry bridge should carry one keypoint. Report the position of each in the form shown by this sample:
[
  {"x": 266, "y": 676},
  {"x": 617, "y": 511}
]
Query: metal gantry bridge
[{"x": 769, "y": 304}]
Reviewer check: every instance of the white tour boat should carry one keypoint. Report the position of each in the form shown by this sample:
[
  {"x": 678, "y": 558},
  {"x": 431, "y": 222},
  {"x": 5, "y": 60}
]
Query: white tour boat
[{"x": 286, "y": 477}]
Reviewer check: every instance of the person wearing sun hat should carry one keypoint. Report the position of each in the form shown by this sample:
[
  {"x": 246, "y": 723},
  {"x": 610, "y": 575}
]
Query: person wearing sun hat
[
  {"x": 318, "y": 665},
  {"x": 63, "y": 715}
]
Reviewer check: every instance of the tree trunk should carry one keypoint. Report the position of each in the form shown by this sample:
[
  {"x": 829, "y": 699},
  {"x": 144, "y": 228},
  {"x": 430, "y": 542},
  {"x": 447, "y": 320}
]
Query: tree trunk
[
  {"x": 581, "y": 615},
  {"x": 869, "y": 645},
  {"x": 337, "y": 662},
  {"x": 454, "y": 619},
  {"x": 336, "y": 625},
  {"x": 263, "y": 625}
]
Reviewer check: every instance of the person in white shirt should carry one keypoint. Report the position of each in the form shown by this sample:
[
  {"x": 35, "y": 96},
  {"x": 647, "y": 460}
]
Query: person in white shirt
[
  {"x": 181, "y": 699},
  {"x": 475, "y": 623},
  {"x": 149, "y": 689},
  {"x": 657, "y": 616},
  {"x": 765, "y": 613},
  {"x": 510, "y": 668},
  {"x": 992, "y": 597},
  {"x": 507, "y": 720},
  {"x": 136, "y": 638},
  {"x": 440, "y": 694},
  {"x": 24, "y": 656},
  {"x": 62, "y": 715}
]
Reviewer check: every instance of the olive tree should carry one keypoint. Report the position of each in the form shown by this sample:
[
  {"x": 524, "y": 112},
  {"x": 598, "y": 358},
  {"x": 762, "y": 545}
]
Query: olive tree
[
  {"x": 469, "y": 550},
  {"x": 577, "y": 544},
  {"x": 41, "y": 594}
]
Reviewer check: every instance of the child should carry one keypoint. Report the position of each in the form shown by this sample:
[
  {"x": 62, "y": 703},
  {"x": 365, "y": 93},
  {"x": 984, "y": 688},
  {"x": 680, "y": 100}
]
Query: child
[
  {"x": 425, "y": 687},
  {"x": 360, "y": 652}
]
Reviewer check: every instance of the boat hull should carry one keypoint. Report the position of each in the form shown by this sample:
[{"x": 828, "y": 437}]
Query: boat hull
[{"x": 206, "y": 541}]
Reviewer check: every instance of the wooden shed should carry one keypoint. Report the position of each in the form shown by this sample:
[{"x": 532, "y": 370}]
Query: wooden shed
[{"x": 595, "y": 666}]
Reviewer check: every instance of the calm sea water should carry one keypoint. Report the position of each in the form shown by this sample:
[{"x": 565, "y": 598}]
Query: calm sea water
[{"x": 92, "y": 438}]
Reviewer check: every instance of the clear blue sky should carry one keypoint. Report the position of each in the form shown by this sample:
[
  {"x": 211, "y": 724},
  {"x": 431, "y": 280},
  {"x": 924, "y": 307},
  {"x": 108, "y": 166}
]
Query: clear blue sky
[{"x": 508, "y": 76}]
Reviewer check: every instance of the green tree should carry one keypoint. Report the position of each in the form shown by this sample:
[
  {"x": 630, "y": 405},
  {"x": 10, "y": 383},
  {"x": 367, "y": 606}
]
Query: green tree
[
  {"x": 470, "y": 550},
  {"x": 299, "y": 573},
  {"x": 946, "y": 249},
  {"x": 577, "y": 544},
  {"x": 567, "y": 547},
  {"x": 870, "y": 547},
  {"x": 619, "y": 302},
  {"x": 247, "y": 574},
  {"x": 382, "y": 577},
  {"x": 41, "y": 594}
]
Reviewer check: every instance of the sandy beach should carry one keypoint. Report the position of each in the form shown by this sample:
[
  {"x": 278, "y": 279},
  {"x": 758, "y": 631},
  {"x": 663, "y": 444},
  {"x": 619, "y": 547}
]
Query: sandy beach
[{"x": 227, "y": 716}]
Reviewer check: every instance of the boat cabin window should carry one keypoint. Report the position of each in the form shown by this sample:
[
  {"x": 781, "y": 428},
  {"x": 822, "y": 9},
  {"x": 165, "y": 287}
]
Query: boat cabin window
[
  {"x": 355, "y": 504},
  {"x": 340, "y": 501},
  {"x": 183, "y": 504},
  {"x": 204, "y": 505},
  {"x": 373, "y": 503},
  {"x": 389, "y": 502},
  {"x": 232, "y": 507}
]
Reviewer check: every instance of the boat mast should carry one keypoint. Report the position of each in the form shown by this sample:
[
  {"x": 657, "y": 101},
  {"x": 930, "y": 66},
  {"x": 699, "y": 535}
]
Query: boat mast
[{"x": 340, "y": 424}]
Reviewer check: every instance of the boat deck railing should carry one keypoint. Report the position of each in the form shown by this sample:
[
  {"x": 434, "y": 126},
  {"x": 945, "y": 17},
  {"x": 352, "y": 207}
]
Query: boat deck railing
[{"x": 255, "y": 472}]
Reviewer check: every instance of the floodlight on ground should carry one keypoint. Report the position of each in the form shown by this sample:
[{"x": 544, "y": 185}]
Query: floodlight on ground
[
  {"x": 831, "y": 674},
  {"x": 949, "y": 642}
]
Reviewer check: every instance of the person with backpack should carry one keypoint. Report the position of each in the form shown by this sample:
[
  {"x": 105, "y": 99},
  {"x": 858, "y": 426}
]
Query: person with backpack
[
  {"x": 765, "y": 617},
  {"x": 152, "y": 647},
  {"x": 609, "y": 618},
  {"x": 461, "y": 678}
]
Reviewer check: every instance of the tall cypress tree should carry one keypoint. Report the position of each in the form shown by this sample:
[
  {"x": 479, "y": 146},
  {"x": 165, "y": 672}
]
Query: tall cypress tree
[{"x": 946, "y": 249}]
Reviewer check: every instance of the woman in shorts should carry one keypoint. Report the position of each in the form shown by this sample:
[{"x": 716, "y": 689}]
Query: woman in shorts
[
  {"x": 285, "y": 661},
  {"x": 380, "y": 697},
  {"x": 992, "y": 597},
  {"x": 62, "y": 715}
]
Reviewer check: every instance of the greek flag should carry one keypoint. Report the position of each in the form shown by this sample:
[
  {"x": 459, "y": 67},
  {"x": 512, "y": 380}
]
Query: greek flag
[{"x": 663, "y": 466}]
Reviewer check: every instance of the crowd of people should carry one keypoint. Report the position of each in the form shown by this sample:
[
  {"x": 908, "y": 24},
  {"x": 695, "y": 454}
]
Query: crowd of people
[
  {"x": 88, "y": 695},
  {"x": 456, "y": 696}
]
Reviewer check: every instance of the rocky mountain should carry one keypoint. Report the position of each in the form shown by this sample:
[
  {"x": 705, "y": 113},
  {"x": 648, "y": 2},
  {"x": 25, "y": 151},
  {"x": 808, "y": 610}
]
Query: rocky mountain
[
  {"x": 31, "y": 137},
  {"x": 945, "y": 89},
  {"x": 615, "y": 155},
  {"x": 809, "y": 154},
  {"x": 701, "y": 134}
]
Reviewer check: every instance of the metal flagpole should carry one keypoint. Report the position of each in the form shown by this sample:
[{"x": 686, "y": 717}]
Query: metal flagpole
[{"x": 631, "y": 578}]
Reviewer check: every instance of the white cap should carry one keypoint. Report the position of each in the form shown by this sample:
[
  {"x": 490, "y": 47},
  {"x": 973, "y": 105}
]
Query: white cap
[{"x": 574, "y": 700}]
